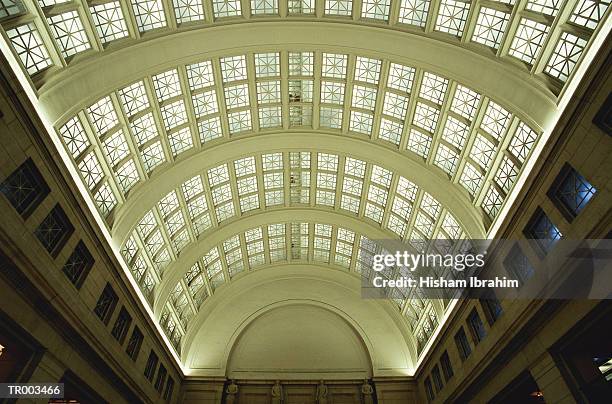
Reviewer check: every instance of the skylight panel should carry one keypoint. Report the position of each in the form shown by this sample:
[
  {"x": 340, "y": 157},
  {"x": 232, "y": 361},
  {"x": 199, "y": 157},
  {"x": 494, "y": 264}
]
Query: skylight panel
[
  {"x": 29, "y": 47},
  {"x": 322, "y": 242},
  {"x": 433, "y": 88},
  {"x": 431, "y": 206},
  {"x": 301, "y": 6},
  {"x": 367, "y": 70},
  {"x": 74, "y": 137},
  {"x": 424, "y": 225},
  {"x": 465, "y": 102},
  {"x": 134, "y": 98},
  {"x": 167, "y": 84},
  {"x": 109, "y": 21},
  {"x": 205, "y": 103},
  {"x": 222, "y": 200},
  {"x": 490, "y": 27},
  {"x": 237, "y": 96},
  {"x": 452, "y": 17},
  {"x": 301, "y": 63},
  {"x": 419, "y": 143},
  {"x": 270, "y": 117},
  {"x": 299, "y": 240},
  {"x": 455, "y": 132},
  {"x": 376, "y": 9},
  {"x": 528, "y": 40},
  {"x": 69, "y": 33},
  {"x": 276, "y": 241},
  {"x": 338, "y": 7},
  {"x": 212, "y": 263},
  {"x": 91, "y": 170},
  {"x": 390, "y": 131},
  {"x": 344, "y": 247},
  {"x": 127, "y": 175},
  {"x": 218, "y": 175},
  {"x": 245, "y": 166},
  {"x": 149, "y": 14},
  {"x": 334, "y": 65},
  {"x": 233, "y": 68},
  {"x": 9, "y": 8},
  {"x": 495, "y": 120},
  {"x": 188, "y": 10},
  {"x": 426, "y": 117},
  {"x": 168, "y": 204},
  {"x": 364, "y": 97},
  {"x": 200, "y": 75},
  {"x": 482, "y": 151},
  {"x": 299, "y": 178},
  {"x": 406, "y": 189},
  {"x": 105, "y": 199},
  {"x": 332, "y": 92},
  {"x": 327, "y": 173},
  {"x": 267, "y": 65},
  {"x": 300, "y": 90},
  {"x": 210, "y": 129},
  {"x": 239, "y": 121},
  {"x": 273, "y": 178},
  {"x": 144, "y": 129},
  {"x": 361, "y": 122},
  {"x": 400, "y": 77},
  {"x": 492, "y": 202},
  {"x": 226, "y": 8},
  {"x": 451, "y": 226},
  {"x": 522, "y": 141},
  {"x": 447, "y": 159},
  {"x": 352, "y": 184},
  {"x": 414, "y": 12},
  {"x": 395, "y": 105},
  {"x": 378, "y": 192},
  {"x": 471, "y": 178},
  {"x": 300, "y": 115},
  {"x": 588, "y": 13},
  {"x": 116, "y": 148},
  {"x": 506, "y": 174},
  {"x": 102, "y": 115},
  {"x": 565, "y": 56},
  {"x": 268, "y": 92},
  {"x": 548, "y": 7},
  {"x": 255, "y": 246},
  {"x": 153, "y": 155},
  {"x": 180, "y": 141},
  {"x": 174, "y": 114},
  {"x": 197, "y": 206},
  {"x": 264, "y": 7}
]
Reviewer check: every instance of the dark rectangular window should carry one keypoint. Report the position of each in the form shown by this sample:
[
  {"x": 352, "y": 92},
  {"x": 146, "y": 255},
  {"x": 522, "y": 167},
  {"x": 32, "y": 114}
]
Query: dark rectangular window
[
  {"x": 78, "y": 265},
  {"x": 437, "y": 378},
  {"x": 161, "y": 378},
  {"x": 518, "y": 266},
  {"x": 106, "y": 304},
  {"x": 429, "y": 389},
  {"x": 542, "y": 231},
  {"x": 571, "y": 192},
  {"x": 55, "y": 230},
  {"x": 476, "y": 327},
  {"x": 151, "y": 366},
  {"x": 491, "y": 306},
  {"x": 462, "y": 344},
  {"x": 169, "y": 388},
  {"x": 122, "y": 325},
  {"x": 447, "y": 367},
  {"x": 134, "y": 343},
  {"x": 25, "y": 188}
]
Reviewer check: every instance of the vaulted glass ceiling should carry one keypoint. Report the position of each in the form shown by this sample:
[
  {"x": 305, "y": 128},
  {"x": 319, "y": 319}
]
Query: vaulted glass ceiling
[{"x": 399, "y": 144}]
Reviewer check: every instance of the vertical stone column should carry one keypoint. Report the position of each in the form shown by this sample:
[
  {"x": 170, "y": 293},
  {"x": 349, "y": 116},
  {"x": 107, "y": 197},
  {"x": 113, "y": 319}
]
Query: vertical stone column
[
  {"x": 550, "y": 381},
  {"x": 49, "y": 369}
]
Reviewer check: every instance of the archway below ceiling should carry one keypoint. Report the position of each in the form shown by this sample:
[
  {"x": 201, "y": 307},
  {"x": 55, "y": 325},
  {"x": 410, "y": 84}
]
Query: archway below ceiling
[
  {"x": 370, "y": 336},
  {"x": 329, "y": 347}
]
